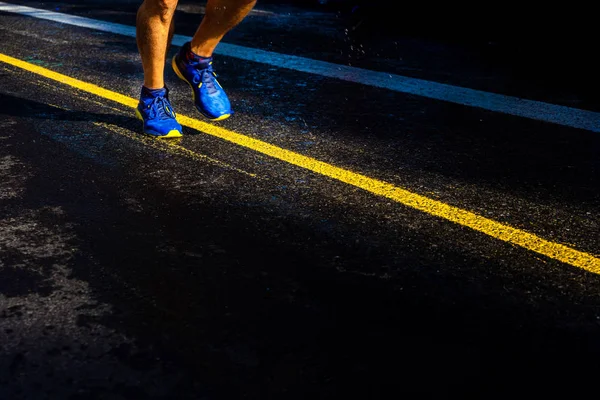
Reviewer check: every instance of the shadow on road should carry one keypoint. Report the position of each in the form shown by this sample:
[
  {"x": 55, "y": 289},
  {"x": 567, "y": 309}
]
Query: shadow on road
[{"x": 249, "y": 301}]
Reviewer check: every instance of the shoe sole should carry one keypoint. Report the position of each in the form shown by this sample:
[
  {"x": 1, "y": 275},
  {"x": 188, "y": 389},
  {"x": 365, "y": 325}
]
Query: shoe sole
[
  {"x": 180, "y": 75},
  {"x": 174, "y": 133}
]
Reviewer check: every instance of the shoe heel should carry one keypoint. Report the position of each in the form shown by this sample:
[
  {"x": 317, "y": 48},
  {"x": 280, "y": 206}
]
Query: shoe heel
[{"x": 176, "y": 69}]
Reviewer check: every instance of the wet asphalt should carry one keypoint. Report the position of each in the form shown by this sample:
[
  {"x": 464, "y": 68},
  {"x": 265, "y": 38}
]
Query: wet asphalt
[{"x": 130, "y": 270}]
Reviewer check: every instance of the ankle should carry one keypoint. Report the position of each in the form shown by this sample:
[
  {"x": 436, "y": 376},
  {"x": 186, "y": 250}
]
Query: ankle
[
  {"x": 204, "y": 50},
  {"x": 198, "y": 57}
]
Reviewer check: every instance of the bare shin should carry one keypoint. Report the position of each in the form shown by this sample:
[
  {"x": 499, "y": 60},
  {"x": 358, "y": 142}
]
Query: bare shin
[
  {"x": 154, "y": 29},
  {"x": 220, "y": 17}
]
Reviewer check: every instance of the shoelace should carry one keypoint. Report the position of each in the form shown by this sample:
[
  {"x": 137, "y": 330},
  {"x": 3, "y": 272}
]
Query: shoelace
[
  {"x": 207, "y": 76},
  {"x": 208, "y": 79},
  {"x": 162, "y": 107}
]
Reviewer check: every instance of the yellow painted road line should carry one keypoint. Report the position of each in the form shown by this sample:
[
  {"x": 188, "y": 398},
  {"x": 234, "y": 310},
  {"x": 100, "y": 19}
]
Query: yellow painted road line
[
  {"x": 170, "y": 147},
  {"x": 506, "y": 233}
]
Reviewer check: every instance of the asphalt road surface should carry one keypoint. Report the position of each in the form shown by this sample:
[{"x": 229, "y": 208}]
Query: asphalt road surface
[{"x": 385, "y": 214}]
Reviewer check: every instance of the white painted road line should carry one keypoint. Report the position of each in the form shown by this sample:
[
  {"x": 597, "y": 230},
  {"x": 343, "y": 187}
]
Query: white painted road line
[{"x": 536, "y": 110}]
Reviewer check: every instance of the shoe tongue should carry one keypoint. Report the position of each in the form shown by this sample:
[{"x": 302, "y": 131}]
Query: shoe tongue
[
  {"x": 151, "y": 94},
  {"x": 203, "y": 62}
]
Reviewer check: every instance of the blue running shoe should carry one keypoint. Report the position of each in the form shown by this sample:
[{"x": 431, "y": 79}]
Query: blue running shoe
[
  {"x": 156, "y": 112},
  {"x": 209, "y": 97}
]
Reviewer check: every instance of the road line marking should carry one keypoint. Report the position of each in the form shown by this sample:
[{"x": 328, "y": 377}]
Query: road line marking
[
  {"x": 170, "y": 147},
  {"x": 536, "y": 110},
  {"x": 506, "y": 233}
]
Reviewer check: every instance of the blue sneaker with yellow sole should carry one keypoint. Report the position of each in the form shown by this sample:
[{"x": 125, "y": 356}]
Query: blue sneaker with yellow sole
[
  {"x": 209, "y": 97},
  {"x": 155, "y": 110}
]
